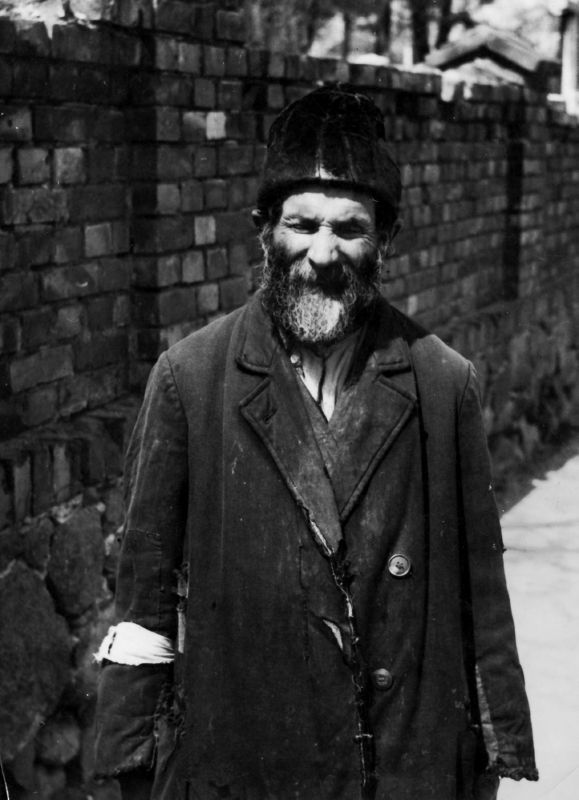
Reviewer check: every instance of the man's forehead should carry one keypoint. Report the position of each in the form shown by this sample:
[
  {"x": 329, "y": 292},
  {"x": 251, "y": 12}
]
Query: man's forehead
[{"x": 342, "y": 203}]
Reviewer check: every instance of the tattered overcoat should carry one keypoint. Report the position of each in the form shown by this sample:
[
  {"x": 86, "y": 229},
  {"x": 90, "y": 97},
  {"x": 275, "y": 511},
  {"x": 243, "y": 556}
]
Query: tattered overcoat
[{"x": 344, "y": 625}]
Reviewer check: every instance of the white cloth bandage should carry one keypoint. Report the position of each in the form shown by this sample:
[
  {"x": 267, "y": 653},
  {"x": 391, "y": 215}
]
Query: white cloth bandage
[{"x": 131, "y": 644}]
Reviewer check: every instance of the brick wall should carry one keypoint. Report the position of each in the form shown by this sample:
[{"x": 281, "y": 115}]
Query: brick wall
[{"x": 129, "y": 161}]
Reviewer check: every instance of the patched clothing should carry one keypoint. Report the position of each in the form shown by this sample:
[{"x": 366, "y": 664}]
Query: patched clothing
[{"x": 335, "y": 589}]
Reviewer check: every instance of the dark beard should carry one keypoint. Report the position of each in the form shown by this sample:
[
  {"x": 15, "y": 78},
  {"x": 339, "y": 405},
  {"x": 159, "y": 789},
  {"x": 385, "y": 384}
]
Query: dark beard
[{"x": 306, "y": 309}]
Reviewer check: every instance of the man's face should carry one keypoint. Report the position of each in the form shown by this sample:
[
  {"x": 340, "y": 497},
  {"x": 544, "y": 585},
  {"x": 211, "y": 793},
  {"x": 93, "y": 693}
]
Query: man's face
[{"x": 322, "y": 263}]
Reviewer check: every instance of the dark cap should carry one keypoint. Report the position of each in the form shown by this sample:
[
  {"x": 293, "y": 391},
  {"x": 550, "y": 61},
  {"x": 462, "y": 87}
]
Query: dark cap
[{"x": 332, "y": 135}]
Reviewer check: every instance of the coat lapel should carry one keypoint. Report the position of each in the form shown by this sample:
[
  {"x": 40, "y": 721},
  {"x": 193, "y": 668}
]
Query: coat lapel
[
  {"x": 372, "y": 412},
  {"x": 275, "y": 410}
]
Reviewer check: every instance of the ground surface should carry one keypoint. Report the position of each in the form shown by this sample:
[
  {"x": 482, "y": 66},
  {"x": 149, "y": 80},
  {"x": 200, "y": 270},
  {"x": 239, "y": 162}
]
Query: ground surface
[{"x": 541, "y": 533}]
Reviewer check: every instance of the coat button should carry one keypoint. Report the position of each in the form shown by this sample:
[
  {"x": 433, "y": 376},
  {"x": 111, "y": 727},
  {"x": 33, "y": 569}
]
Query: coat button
[
  {"x": 399, "y": 565},
  {"x": 382, "y": 678}
]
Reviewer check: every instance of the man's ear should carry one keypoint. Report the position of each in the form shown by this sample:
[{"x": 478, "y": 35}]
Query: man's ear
[{"x": 259, "y": 218}]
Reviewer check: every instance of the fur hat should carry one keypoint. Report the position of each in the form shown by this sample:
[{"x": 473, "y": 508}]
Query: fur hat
[{"x": 332, "y": 135}]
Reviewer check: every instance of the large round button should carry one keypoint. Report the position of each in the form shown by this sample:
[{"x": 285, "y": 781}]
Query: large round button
[
  {"x": 399, "y": 565},
  {"x": 382, "y": 678}
]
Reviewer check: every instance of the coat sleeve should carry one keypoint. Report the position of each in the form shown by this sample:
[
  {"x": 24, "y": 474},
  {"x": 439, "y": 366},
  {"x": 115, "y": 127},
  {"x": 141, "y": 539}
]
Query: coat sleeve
[
  {"x": 498, "y": 677},
  {"x": 151, "y": 554}
]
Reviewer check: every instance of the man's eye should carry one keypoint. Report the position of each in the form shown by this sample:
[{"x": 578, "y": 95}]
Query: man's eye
[
  {"x": 349, "y": 231},
  {"x": 303, "y": 226}
]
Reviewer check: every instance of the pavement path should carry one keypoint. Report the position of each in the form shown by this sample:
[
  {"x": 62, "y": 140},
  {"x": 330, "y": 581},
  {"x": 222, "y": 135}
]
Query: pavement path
[{"x": 541, "y": 534}]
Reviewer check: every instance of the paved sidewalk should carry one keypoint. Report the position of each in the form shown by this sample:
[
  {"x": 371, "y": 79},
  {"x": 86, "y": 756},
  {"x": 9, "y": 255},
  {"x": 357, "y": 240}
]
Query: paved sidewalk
[{"x": 541, "y": 534}]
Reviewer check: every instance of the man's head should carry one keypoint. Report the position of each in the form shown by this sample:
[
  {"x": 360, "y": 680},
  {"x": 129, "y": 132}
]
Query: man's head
[{"x": 327, "y": 209}]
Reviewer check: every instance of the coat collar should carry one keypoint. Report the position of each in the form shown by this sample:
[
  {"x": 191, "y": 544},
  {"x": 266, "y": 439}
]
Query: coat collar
[{"x": 375, "y": 411}]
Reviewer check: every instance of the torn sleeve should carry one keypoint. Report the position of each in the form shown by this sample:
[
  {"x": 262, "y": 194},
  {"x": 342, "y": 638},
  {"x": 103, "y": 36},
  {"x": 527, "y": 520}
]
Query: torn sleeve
[
  {"x": 500, "y": 688},
  {"x": 156, "y": 476}
]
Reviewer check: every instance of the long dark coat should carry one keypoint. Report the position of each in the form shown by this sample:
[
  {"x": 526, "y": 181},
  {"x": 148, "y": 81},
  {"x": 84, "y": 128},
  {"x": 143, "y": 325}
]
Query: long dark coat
[{"x": 347, "y": 632}]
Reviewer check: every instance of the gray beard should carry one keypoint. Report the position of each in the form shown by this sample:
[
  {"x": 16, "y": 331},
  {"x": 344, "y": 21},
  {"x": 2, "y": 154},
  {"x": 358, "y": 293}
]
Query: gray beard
[{"x": 307, "y": 311}]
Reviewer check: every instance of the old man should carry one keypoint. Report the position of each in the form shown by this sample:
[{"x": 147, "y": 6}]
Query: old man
[{"x": 311, "y": 596}]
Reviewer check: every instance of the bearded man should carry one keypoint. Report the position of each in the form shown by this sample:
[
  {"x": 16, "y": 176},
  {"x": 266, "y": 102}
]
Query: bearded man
[{"x": 311, "y": 592}]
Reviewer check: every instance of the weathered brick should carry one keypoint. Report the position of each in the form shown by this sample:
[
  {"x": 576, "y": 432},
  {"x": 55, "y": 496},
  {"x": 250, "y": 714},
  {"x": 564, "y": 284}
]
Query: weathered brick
[
  {"x": 33, "y": 165},
  {"x": 233, "y": 292},
  {"x": 231, "y": 25},
  {"x": 6, "y": 164},
  {"x": 114, "y": 275},
  {"x": 35, "y": 205},
  {"x": 234, "y": 159},
  {"x": 238, "y": 258},
  {"x": 234, "y": 225},
  {"x": 7, "y": 35},
  {"x": 107, "y": 164},
  {"x": 10, "y": 335},
  {"x": 166, "y": 307},
  {"x": 37, "y": 406},
  {"x": 166, "y": 89},
  {"x": 213, "y": 61},
  {"x": 122, "y": 310},
  {"x": 69, "y": 321},
  {"x": 30, "y": 78},
  {"x": 216, "y": 193},
  {"x": 159, "y": 235},
  {"x": 69, "y": 165},
  {"x": 96, "y": 203},
  {"x": 176, "y": 16},
  {"x": 64, "y": 124},
  {"x": 5, "y": 77},
  {"x": 36, "y": 327},
  {"x": 98, "y": 240},
  {"x": 204, "y": 162},
  {"x": 216, "y": 263},
  {"x": 230, "y": 95},
  {"x": 174, "y": 163},
  {"x": 216, "y": 125},
  {"x": 68, "y": 245},
  {"x": 205, "y": 230},
  {"x": 45, "y": 366},
  {"x": 208, "y": 298},
  {"x": 193, "y": 267},
  {"x": 18, "y": 290},
  {"x": 64, "y": 283},
  {"x": 190, "y": 58},
  {"x": 154, "y": 124},
  {"x": 97, "y": 350},
  {"x": 191, "y": 196},
  {"x": 236, "y": 62},
  {"x": 194, "y": 126},
  {"x": 155, "y": 271},
  {"x": 204, "y": 94},
  {"x": 76, "y": 43},
  {"x": 166, "y": 53},
  {"x": 15, "y": 124}
]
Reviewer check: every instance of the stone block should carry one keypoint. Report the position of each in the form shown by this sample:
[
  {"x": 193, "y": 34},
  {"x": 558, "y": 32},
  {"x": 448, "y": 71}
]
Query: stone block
[
  {"x": 37, "y": 405},
  {"x": 161, "y": 234},
  {"x": 6, "y": 164},
  {"x": 76, "y": 43},
  {"x": 50, "y": 364},
  {"x": 204, "y": 95},
  {"x": 76, "y": 562},
  {"x": 18, "y": 290},
  {"x": 10, "y": 335},
  {"x": 236, "y": 62},
  {"x": 216, "y": 193},
  {"x": 189, "y": 59},
  {"x": 36, "y": 638},
  {"x": 7, "y": 35},
  {"x": 230, "y": 95},
  {"x": 69, "y": 165},
  {"x": 68, "y": 245},
  {"x": 204, "y": 162},
  {"x": 217, "y": 266},
  {"x": 233, "y": 292},
  {"x": 192, "y": 196},
  {"x": 204, "y": 230},
  {"x": 15, "y": 124},
  {"x": 167, "y": 307},
  {"x": 38, "y": 205},
  {"x": 37, "y": 538},
  {"x": 63, "y": 124},
  {"x": 213, "y": 61},
  {"x": 114, "y": 275},
  {"x": 98, "y": 240},
  {"x": 99, "y": 315},
  {"x": 193, "y": 267},
  {"x": 97, "y": 203},
  {"x": 30, "y": 79},
  {"x": 231, "y": 25},
  {"x": 234, "y": 226},
  {"x": 174, "y": 163},
  {"x": 65, "y": 283},
  {"x": 215, "y": 127},
  {"x": 36, "y": 327},
  {"x": 208, "y": 298},
  {"x": 234, "y": 159},
  {"x": 157, "y": 271}
]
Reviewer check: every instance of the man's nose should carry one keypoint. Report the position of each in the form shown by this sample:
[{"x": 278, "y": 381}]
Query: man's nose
[{"x": 323, "y": 251}]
